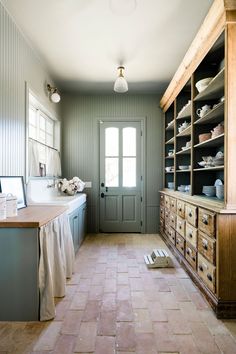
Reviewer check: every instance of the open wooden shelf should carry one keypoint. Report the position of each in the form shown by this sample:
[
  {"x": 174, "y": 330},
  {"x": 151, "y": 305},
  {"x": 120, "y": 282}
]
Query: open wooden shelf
[
  {"x": 184, "y": 152},
  {"x": 169, "y": 157},
  {"x": 171, "y": 125},
  {"x": 212, "y": 142},
  {"x": 213, "y": 116},
  {"x": 215, "y": 87},
  {"x": 183, "y": 170},
  {"x": 171, "y": 141},
  {"x": 215, "y": 168},
  {"x": 169, "y": 172},
  {"x": 185, "y": 132},
  {"x": 186, "y": 112}
]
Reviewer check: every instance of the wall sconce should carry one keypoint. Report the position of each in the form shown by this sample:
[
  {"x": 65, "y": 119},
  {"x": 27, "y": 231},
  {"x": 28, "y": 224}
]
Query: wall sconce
[{"x": 53, "y": 94}]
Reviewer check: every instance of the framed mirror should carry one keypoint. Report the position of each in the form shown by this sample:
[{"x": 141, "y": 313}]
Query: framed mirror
[{"x": 15, "y": 186}]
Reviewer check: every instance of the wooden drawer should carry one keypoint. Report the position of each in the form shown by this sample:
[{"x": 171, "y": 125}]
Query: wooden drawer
[
  {"x": 207, "y": 272},
  {"x": 162, "y": 199},
  {"x": 207, "y": 247},
  {"x": 191, "y": 214},
  {"x": 173, "y": 204},
  {"x": 206, "y": 222},
  {"x": 167, "y": 216},
  {"x": 171, "y": 235},
  {"x": 180, "y": 226},
  {"x": 162, "y": 212},
  {"x": 191, "y": 234},
  {"x": 180, "y": 205},
  {"x": 191, "y": 255},
  {"x": 172, "y": 220},
  {"x": 167, "y": 202},
  {"x": 180, "y": 244},
  {"x": 162, "y": 224}
]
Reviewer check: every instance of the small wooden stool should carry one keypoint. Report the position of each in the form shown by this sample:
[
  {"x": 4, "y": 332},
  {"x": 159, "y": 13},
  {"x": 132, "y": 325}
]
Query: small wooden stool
[{"x": 158, "y": 259}]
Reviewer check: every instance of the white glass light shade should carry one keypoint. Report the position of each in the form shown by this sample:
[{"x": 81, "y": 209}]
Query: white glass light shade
[
  {"x": 121, "y": 85},
  {"x": 55, "y": 97}
]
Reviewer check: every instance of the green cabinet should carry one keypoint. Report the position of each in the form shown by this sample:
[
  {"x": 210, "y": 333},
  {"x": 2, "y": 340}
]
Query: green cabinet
[
  {"x": 19, "y": 259},
  {"x": 78, "y": 225}
]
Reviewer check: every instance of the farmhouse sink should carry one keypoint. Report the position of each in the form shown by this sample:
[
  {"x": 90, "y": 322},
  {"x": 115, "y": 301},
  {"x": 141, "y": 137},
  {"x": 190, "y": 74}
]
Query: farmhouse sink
[{"x": 39, "y": 194}]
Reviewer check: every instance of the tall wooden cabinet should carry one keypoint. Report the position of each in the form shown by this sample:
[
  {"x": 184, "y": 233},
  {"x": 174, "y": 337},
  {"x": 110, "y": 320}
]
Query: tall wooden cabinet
[{"x": 201, "y": 228}]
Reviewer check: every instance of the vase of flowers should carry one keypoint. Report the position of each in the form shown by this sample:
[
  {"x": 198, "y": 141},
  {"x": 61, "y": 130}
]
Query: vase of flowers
[{"x": 70, "y": 187}]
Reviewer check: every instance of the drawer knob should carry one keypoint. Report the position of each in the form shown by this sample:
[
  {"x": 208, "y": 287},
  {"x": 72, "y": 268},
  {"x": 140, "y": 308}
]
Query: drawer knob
[
  {"x": 205, "y": 246},
  {"x": 190, "y": 214},
  {"x": 188, "y": 252},
  {"x": 205, "y": 219},
  {"x": 201, "y": 268},
  {"x": 194, "y": 259},
  {"x": 190, "y": 235},
  {"x": 209, "y": 277},
  {"x": 180, "y": 209},
  {"x": 182, "y": 248}
]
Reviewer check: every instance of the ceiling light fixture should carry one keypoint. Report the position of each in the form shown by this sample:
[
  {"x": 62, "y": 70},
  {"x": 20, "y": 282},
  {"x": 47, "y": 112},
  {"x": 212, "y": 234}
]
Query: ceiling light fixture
[
  {"x": 53, "y": 94},
  {"x": 121, "y": 84}
]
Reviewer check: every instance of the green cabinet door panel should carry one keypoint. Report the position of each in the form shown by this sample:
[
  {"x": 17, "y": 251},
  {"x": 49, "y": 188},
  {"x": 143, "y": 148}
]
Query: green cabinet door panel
[{"x": 19, "y": 258}]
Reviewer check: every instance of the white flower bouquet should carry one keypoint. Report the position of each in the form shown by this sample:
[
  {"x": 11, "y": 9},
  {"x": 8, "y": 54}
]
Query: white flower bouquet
[{"x": 72, "y": 186}]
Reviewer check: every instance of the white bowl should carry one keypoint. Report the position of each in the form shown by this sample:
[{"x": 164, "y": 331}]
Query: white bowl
[
  {"x": 169, "y": 168},
  {"x": 202, "y": 84},
  {"x": 183, "y": 167}
]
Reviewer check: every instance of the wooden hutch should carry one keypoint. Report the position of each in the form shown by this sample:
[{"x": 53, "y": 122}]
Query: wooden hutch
[{"x": 201, "y": 230}]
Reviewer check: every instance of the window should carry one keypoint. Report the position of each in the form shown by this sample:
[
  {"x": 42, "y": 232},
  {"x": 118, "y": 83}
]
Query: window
[{"x": 44, "y": 131}]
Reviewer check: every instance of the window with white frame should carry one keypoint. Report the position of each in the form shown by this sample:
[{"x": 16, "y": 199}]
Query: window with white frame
[{"x": 43, "y": 129}]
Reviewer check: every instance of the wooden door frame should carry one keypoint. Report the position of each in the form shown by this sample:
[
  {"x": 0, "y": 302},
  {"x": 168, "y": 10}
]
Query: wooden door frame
[{"x": 96, "y": 127}]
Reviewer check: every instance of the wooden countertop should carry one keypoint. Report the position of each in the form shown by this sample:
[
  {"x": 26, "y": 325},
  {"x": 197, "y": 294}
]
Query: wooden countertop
[{"x": 33, "y": 216}]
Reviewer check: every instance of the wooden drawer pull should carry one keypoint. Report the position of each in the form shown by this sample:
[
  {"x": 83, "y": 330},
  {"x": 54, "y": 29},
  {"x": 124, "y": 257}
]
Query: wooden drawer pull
[
  {"x": 209, "y": 277},
  {"x": 204, "y": 245},
  {"x": 190, "y": 214},
  {"x": 180, "y": 209},
  {"x": 190, "y": 235},
  {"x": 182, "y": 248},
  {"x": 194, "y": 259}
]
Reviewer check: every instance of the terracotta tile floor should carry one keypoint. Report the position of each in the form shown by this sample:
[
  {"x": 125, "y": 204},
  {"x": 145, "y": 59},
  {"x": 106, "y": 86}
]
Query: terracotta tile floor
[{"x": 114, "y": 304}]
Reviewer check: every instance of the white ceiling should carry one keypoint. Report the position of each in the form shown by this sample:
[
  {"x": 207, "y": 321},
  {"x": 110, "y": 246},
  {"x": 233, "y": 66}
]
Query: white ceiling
[{"x": 83, "y": 41}]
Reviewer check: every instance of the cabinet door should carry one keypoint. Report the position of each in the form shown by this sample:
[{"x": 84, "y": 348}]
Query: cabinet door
[
  {"x": 74, "y": 225},
  {"x": 82, "y": 223}
]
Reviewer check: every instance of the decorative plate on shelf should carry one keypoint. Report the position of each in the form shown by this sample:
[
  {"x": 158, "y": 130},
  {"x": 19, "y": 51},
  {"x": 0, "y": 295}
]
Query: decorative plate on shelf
[{"x": 218, "y": 182}]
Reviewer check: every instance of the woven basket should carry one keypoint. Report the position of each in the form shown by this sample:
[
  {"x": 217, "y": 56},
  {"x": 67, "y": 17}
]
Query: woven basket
[{"x": 204, "y": 137}]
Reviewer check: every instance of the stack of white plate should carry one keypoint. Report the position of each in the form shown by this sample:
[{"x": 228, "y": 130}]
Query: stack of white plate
[
  {"x": 209, "y": 191},
  {"x": 220, "y": 191}
]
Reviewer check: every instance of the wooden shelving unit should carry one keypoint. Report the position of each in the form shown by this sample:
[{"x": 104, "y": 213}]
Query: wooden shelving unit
[{"x": 212, "y": 268}]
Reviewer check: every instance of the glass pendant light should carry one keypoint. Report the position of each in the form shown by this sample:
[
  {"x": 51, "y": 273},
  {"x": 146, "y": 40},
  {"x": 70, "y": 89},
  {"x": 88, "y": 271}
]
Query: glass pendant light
[{"x": 121, "y": 84}]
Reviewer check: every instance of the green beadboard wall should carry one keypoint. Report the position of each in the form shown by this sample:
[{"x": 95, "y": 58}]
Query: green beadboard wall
[
  {"x": 80, "y": 114},
  {"x": 18, "y": 64}
]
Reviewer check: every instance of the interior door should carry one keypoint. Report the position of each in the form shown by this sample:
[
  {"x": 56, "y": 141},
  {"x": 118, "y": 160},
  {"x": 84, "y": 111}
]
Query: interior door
[{"x": 120, "y": 176}]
